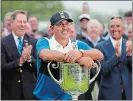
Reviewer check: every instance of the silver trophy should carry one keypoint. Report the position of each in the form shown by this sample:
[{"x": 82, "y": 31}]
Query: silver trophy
[{"x": 74, "y": 79}]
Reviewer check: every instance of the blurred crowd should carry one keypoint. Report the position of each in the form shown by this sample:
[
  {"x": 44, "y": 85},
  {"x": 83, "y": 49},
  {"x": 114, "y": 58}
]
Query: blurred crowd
[
  {"x": 33, "y": 24},
  {"x": 92, "y": 32}
]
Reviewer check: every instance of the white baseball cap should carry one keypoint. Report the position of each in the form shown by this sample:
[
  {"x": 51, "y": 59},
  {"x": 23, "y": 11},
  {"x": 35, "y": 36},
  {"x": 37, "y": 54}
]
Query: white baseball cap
[{"x": 84, "y": 16}]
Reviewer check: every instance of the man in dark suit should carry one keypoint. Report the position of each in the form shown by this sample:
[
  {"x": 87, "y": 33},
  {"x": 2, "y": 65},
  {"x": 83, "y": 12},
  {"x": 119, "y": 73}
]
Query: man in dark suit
[
  {"x": 18, "y": 61},
  {"x": 116, "y": 68}
]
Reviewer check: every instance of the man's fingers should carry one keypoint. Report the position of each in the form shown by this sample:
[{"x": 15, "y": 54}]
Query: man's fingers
[
  {"x": 30, "y": 47},
  {"x": 26, "y": 44},
  {"x": 73, "y": 60},
  {"x": 65, "y": 57},
  {"x": 68, "y": 57}
]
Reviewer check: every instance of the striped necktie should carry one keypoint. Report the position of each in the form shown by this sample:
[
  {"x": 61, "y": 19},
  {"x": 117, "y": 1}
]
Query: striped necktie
[{"x": 19, "y": 45}]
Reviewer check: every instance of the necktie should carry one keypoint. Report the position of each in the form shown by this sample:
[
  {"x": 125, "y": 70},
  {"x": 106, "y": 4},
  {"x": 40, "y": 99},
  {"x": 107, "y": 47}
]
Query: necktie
[{"x": 19, "y": 45}]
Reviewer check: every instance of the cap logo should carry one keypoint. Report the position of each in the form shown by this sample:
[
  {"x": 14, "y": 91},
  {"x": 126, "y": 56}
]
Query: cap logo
[{"x": 62, "y": 14}]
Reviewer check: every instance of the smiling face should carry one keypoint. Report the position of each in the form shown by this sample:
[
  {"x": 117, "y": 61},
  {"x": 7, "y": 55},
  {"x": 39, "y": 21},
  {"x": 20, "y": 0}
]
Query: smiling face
[
  {"x": 20, "y": 24},
  {"x": 93, "y": 28},
  {"x": 61, "y": 30},
  {"x": 116, "y": 28}
]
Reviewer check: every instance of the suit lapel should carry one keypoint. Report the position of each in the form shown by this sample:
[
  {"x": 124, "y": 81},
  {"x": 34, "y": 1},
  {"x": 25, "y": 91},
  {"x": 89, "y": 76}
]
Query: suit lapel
[
  {"x": 14, "y": 47},
  {"x": 25, "y": 39},
  {"x": 110, "y": 48}
]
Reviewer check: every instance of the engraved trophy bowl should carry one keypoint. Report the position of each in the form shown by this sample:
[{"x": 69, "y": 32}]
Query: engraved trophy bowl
[{"x": 73, "y": 79}]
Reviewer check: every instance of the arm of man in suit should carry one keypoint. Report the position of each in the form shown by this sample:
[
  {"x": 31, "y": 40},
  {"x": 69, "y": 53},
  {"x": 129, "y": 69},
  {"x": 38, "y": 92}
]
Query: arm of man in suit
[
  {"x": 108, "y": 65},
  {"x": 33, "y": 42},
  {"x": 33, "y": 58},
  {"x": 8, "y": 65},
  {"x": 129, "y": 61},
  {"x": 129, "y": 53},
  {"x": 33, "y": 52}
]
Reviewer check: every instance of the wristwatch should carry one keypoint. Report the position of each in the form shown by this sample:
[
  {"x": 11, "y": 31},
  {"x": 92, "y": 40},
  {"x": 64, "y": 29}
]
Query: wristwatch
[{"x": 82, "y": 51}]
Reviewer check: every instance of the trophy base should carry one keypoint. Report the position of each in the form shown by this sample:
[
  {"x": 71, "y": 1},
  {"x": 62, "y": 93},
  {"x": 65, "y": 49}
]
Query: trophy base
[
  {"x": 74, "y": 94},
  {"x": 74, "y": 97}
]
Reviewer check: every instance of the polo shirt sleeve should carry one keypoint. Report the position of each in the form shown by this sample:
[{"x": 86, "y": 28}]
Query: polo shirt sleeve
[
  {"x": 83, "y": 45},
  {"x": 42, "y": 44}
]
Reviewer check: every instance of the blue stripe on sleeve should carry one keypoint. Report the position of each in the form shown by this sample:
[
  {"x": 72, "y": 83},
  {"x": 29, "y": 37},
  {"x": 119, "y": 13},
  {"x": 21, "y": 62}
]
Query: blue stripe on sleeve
[{"x": 42, "y": 44}]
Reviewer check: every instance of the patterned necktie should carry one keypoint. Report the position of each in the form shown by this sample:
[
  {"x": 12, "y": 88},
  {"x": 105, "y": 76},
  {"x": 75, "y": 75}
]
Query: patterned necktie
[{"x": 20, "y": 45}]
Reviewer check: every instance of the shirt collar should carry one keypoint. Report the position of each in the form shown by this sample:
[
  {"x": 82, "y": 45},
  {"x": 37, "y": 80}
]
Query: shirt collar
[
  {"x": 114, "y": 41},
  {"x": 16, "y": 37},
  {"x": 54, "y": 45},
  {"x": 94, "y": 43},
  {"x": 57, "y": 44}
]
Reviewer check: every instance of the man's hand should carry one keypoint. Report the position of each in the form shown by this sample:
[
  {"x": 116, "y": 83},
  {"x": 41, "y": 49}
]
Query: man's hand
[
  {"x": 25, "y": 53},
  {"x": 86, "y": 62},
  {"x": 72, "y": 56},
  {"x": 128, "y": 48},
  {"x": 117, "y": 49}
]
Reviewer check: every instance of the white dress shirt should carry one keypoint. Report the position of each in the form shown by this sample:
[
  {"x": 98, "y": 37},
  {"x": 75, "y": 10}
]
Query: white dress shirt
[
  {"x": 114, "y": 42},
  {"x": 16, "y": 38}
]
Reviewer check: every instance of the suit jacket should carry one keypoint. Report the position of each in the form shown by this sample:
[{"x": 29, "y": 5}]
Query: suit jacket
[
  {"x": 115, "y": 72},
  {"x": 17, "y": 80}
]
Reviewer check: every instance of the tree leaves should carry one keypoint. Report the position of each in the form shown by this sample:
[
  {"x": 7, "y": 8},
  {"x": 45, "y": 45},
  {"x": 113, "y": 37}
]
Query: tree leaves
[{"x": 41, "y": 9}]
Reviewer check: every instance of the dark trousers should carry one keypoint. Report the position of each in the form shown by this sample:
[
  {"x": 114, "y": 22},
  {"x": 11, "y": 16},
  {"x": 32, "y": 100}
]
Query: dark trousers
[{"x": 22, "y": 96}]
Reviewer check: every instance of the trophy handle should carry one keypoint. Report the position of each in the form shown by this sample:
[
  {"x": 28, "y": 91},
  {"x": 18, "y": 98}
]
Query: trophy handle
[
  {"x": 53, "y": 66},
  {"x": 98, "y": 68}
]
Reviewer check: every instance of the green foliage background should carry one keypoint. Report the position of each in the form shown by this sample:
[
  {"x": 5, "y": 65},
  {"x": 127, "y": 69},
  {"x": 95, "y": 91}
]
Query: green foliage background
[
  {"x": 41, "y": 9},
  {"x": 44, "y": 9}
]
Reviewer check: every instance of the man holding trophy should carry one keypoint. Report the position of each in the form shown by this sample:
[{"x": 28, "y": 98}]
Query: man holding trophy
[{"x": 60, "y": 48}]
